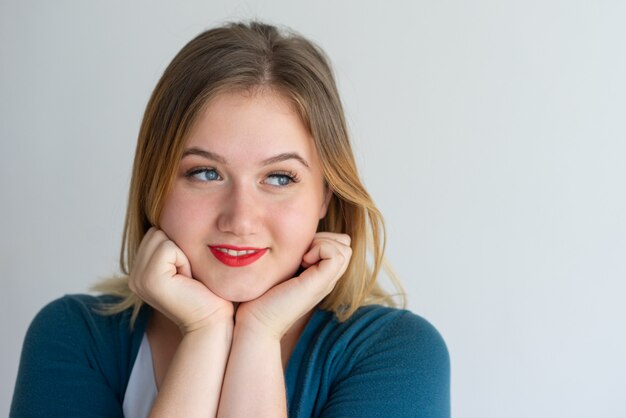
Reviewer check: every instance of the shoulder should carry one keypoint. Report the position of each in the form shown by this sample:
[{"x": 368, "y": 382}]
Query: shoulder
[
  {"x": 72, "y": 349},
  {"x": 75, "y": 329},
  {"x": 76, "y": 324},
  {"x": 82, "y": 304},
  {"x": 387, "y": 361},
  {"x": 78, "y": 312},
  {"x": 82, "y": 321},
  {"x": 393, "y": 319},
  {"x": 379, "y": 326},
  {"x": 409, "y": 331}
]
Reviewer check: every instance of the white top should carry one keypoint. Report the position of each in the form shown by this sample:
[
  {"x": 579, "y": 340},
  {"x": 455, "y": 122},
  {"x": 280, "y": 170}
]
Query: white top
[{"x": 141, "y": 390}]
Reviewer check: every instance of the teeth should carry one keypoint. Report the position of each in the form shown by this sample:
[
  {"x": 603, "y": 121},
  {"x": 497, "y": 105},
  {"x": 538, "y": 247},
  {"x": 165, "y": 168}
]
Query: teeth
[{"x": 235, "y": 253}]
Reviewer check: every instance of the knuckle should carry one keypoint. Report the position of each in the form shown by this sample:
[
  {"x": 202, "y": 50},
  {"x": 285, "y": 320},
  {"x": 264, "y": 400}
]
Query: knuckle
[{"x": 162, "y": 248}]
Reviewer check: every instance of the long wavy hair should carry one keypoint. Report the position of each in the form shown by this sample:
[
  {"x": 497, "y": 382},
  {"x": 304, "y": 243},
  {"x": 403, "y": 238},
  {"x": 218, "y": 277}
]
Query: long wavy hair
[{"x": 244, "y": 57}]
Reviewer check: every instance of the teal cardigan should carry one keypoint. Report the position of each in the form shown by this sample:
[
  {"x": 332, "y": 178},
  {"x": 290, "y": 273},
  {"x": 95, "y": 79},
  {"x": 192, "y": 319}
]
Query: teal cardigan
[{"x": 382, "y": 362}]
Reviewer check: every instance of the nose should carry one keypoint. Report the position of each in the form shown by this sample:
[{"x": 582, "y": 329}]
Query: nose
[{"x": 239, "y": 213}]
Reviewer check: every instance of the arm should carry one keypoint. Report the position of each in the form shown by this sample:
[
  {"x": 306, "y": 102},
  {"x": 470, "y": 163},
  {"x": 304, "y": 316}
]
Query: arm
[
  {"x": 254, "y": 382},
  {"x": 162, "y": 278},
  {"x": 194, "y": 379}
]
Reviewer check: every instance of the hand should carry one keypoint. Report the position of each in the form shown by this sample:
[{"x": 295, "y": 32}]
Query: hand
[
  {"x": 280, "y": 307},
  {"x": 161, "y": 277}
]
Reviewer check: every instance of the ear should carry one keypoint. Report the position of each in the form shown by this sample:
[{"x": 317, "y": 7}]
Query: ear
[{"x": 328, "y": 195}]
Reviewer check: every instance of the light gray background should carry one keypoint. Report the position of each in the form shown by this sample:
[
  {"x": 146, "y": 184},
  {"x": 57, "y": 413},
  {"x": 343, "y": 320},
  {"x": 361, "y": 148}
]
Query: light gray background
[{"x": 491, "y": 133}]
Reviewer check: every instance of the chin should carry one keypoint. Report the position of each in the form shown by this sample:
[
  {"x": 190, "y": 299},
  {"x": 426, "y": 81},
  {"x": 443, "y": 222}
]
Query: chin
[{"x": 238, "y": 295}]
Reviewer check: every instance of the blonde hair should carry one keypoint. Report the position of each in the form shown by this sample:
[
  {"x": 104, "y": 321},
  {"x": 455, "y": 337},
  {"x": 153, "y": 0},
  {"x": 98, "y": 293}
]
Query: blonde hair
[{"x": 240, "y": 56}]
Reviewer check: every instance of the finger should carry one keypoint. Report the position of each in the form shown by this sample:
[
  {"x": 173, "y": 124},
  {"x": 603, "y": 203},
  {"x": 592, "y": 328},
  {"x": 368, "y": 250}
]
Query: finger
[
  {"x": 156, "y": 238},
  {"x": 181, "y": 262},
  {"x": 322, "y": 277},
  {"x": 154, "y": 284},
  {"x": 341, "y": 238},
  {"x": 313, "y": 256},
  {"x": 151, "y": 240},
  {"x": 324, "y": 250},
  {"x": 167, "y": 259},
  {"x": 157, "y": 258}
]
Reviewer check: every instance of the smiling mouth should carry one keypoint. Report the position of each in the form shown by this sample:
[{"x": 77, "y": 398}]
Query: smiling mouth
[
  {"x": 235, "y": 253},
  {"x": 236, "y": 257}
]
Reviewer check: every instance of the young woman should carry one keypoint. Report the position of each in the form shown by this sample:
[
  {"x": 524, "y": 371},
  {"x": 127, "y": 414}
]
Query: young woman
[{"x": 247, "y": 291}]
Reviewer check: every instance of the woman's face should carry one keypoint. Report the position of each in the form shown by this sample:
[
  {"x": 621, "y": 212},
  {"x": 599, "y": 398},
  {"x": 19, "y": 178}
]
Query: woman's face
[{"x": 247, "y": 196}]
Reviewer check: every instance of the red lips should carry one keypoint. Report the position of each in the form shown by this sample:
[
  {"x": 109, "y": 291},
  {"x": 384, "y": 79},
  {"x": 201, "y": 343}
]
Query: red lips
[{"x": 234, "y": 256}]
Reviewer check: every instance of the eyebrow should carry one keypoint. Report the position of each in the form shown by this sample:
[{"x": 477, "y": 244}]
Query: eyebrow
[
  {"x": 286, "y": 156},
  {"x": 272, "y": 160},
  {"x": 206, "y": 154}
]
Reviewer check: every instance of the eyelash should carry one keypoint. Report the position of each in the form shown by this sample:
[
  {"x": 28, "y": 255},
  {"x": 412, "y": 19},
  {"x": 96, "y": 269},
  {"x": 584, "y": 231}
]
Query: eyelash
[
  {"x": 290, "y": 175},
  {"x": 293, "y": 177},
  {"x": 191, "y": 174}
]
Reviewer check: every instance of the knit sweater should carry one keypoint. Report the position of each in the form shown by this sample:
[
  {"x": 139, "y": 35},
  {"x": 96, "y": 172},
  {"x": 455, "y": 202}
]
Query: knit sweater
[{"x": 381, "y": 362}]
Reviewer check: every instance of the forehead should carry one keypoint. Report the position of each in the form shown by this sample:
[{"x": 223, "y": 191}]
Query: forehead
[{"x": 261, "y": 122}]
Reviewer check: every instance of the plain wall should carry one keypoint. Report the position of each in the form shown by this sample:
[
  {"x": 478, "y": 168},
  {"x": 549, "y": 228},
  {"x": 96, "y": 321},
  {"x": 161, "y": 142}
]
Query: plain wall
[{"x": 492, "y": 135}]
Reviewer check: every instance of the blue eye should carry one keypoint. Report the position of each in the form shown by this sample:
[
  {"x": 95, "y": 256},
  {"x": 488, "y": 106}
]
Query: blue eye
[
  {"x": 204, "y": 174},
  {"x": 280, "y": 180}
]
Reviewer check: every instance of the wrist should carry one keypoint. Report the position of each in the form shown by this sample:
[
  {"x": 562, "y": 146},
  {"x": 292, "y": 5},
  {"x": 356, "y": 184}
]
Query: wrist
[
  {"x": 221, "y": 320},
  {"x": 262, "y": 339},
  {"x": 249, "y": 326}
]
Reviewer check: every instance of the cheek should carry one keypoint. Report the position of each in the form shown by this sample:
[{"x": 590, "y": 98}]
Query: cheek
[
  {"x": 296, "y": 226},
  {"x": 179, "y": 218}
]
